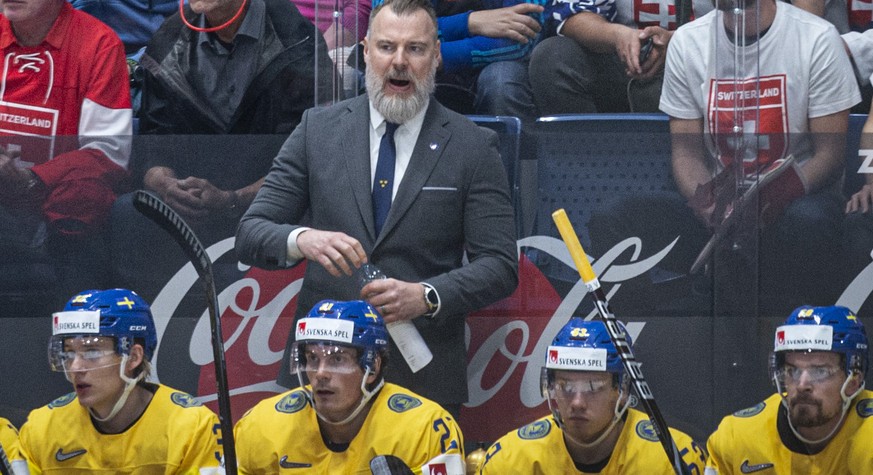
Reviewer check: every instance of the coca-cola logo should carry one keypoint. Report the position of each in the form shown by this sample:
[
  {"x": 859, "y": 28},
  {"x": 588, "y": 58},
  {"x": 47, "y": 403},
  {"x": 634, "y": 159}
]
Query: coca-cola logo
[{"x": 507, "y": 342}]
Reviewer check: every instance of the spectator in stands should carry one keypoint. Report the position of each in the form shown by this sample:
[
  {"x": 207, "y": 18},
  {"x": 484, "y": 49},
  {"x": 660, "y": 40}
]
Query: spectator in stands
[
  {"x": 227, "y": 68},
  {"x": 852, "y": 20},
  {"x": 134, "y": 21},
  {"x": 347, "y": 29},
  {"x": 607, "y": 56},
  {"x": 344, "y": 413},
  {"x": 591, "y": 428},
  {"x": 485, "y": 47},
  {"x": 66, "y": 125},
  {"x": 792, "y": 98}
]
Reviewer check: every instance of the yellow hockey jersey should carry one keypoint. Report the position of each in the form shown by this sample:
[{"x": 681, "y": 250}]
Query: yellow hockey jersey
[
  {"x": 754, "y": 440},
  {"x": 175, "y": 435},
  {"x": 281, "y": 435},
  {"x": 9, "y": 439},
  {"x": 538, "y": 449}
]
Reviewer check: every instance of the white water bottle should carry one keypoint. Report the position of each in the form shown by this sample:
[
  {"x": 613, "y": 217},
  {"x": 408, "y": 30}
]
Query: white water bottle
[{"x": 404, "y": 333}]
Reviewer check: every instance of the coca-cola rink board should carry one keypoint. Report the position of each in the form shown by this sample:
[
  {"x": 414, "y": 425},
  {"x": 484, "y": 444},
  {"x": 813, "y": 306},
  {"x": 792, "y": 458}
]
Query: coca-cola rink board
[{"x": 699, "y": 366}]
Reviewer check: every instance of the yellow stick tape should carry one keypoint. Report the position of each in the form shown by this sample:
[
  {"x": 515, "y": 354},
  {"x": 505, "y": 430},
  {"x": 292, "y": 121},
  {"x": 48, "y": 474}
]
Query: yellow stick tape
[{"x": 571, "y": 240}]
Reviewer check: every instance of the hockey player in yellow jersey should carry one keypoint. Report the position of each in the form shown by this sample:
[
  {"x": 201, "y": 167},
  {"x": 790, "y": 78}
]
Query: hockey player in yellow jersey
[
  {"x": 591, "y": 429},
  {"x": 115, "y": 422},
  {"x": 8, "y": 439},
  {"x": 820, "y": 421},
  {"x": 347, "y": 414}
]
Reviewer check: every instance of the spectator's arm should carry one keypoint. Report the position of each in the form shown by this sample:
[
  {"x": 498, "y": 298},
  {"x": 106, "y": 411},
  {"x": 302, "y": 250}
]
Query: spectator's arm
[
  {"x": 596, "y": 33},
  {"x": 829, "y": 145},
  {"x": 860, "y": 49},
  {"x": 690, "y": 166}
]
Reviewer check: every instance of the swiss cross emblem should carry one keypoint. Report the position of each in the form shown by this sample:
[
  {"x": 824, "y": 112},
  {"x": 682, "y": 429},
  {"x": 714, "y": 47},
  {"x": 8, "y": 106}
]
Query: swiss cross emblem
[{"x": 655, "y": 13}]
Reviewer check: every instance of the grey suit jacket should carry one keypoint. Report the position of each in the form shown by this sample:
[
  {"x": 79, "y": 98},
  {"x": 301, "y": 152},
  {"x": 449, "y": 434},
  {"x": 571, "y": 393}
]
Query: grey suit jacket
[{"x": 454, "y": 197}]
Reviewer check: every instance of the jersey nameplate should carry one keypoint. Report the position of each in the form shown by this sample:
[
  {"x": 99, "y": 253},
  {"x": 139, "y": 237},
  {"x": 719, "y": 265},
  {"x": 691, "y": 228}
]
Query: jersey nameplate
[{"x": 403, "y": 402}]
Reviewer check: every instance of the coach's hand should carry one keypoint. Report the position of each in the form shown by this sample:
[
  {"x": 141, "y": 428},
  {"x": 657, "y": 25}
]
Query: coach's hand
[
  {"x": 395, "y": 299},
  {"x": 337, "y": 252}
]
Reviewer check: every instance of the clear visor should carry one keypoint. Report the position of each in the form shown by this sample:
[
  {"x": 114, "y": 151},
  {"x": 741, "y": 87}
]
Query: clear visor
[
  {"x": 82, "y": 353},
  {"x": 793, "y": 375},
  {"x": 307, "y": 357},
  {"x": 557, "y": 387}
]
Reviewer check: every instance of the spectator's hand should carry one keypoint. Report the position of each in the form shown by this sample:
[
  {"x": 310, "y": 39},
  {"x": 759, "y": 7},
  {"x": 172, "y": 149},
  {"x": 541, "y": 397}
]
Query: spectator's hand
[
  {"x": 712, "y": 201},
  {"x": 396, "y": 300},
  {"x": 654, "y": 64},
  {"x": 336, "y": 252},
  {"x": 514, "y": 23},
  {"x": 180, "y": 196},
  {"x": 13, "y": 179},
  {"x": 210, "y": 197},
  {"x": 862, "y": 201}
]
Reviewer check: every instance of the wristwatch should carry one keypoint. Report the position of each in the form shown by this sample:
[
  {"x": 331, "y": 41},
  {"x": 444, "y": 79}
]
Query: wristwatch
[{"x": 431, "y": 299}]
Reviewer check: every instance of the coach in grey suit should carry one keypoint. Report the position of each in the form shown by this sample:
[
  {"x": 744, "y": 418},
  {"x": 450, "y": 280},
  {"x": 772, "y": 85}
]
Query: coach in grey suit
[{"x": 452, "y": 198}]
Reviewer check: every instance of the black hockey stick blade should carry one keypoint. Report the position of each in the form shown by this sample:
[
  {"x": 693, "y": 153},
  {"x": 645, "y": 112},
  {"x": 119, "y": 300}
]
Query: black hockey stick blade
[
  {"x": 619, "y": 340},
  {"x": 389, "y": 465},
  {"x": 167, "y": 218}
]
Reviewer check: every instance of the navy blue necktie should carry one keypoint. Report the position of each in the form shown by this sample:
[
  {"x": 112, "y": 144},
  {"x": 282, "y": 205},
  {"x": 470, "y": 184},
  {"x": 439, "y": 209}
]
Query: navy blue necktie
[{"x": 383, "y": 182}]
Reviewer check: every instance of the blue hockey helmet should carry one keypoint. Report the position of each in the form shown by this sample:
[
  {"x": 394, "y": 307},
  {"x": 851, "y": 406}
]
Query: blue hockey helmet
[
  {"x": 117, "y": 313},
  {"x": 346, "y": 323},
  {"x": 585, "y": 346},
  {"x": 833, "y": 328}
]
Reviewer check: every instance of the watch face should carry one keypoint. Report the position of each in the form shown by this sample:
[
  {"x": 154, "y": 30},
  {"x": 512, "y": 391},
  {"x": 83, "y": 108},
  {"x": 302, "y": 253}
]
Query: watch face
[{"x": 431, "y": 296}]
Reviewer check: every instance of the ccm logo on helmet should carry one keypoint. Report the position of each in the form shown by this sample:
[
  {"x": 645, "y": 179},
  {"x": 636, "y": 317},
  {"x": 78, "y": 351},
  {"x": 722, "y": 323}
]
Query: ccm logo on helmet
[{"x": 137, "y": 328}]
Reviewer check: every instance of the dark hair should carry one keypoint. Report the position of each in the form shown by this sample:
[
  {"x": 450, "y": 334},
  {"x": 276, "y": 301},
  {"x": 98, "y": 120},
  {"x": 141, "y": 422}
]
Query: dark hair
[{"x": 407, "y": 7}]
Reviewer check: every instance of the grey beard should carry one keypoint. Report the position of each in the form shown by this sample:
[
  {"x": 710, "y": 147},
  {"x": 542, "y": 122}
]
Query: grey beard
[{"x": 395, "y": 109}]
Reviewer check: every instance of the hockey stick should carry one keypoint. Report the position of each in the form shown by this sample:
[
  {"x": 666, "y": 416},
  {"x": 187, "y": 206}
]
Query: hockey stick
[
  {"x": 389, "y": 465},
  {"x": 619, "y": 339},
  {"x": 153, "y": 208},
  {"x": 741, "y": 205}
]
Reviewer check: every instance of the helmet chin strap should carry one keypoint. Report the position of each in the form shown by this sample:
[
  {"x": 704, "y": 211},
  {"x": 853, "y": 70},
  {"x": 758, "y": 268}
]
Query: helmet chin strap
[
  {"x": 618, "y": 412},
  {"x": 365, "y": 398},
  {"x": 129, "y": 384},
  {"x": 847, "y": 401}
]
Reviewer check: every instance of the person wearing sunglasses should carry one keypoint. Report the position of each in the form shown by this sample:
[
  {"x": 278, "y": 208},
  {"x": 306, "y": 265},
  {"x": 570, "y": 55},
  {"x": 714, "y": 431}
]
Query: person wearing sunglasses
[{"x": 819, "y": 420}]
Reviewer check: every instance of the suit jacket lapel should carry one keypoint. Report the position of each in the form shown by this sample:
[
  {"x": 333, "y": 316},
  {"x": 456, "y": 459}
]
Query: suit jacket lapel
[
  {"x": 427, "y": 151},
  {"x": 356, "y": 142}
]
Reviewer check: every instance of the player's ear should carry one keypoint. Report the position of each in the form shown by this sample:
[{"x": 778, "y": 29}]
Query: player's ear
[
  {"x": 135, "y": 358},
  {"x": 377, "y": 370}
]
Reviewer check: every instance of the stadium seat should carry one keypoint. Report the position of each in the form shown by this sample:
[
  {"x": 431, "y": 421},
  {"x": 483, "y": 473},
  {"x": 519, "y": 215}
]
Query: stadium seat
[
  {"x": 583, "y": 160},
  {"x": 509, "y": 132}
]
